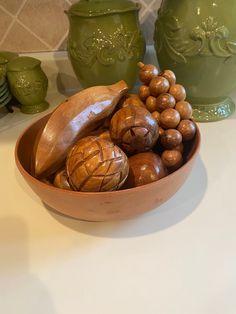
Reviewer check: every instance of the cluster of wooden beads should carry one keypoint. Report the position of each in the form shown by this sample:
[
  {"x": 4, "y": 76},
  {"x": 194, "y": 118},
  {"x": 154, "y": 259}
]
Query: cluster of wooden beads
[{"x": 166, "y": 101}]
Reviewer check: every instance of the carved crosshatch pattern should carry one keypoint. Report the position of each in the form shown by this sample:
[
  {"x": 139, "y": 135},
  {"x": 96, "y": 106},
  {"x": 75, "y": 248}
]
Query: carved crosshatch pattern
[{"x": 48, "y": 29}]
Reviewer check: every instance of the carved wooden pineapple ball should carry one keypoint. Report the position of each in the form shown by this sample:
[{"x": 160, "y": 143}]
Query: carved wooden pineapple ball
[
  {"x": 134, "y": 129},
  {"x": 96, "y": 165}
]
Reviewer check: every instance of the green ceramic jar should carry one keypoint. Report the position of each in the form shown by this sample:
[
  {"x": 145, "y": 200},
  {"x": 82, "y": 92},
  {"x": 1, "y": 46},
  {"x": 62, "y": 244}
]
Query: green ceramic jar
[
  {"x": 105, "y": 41},
  {"x": 28, "y": 83},
  {"x": 197, "y": 40},
  {"x": 5, "y": 57}
]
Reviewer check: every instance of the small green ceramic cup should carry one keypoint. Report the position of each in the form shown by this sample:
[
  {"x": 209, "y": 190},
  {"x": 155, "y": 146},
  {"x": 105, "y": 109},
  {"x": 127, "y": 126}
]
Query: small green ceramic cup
[
  {"x": 5, "y": 57},
  {"x": 28, "y": 83}
]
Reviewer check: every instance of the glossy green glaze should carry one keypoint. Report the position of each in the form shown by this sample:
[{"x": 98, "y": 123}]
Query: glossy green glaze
[
  {"x": 197, "y": 40},
  {"x": 28, "y": 83},
  {"x": 105, "y": 41},
  {"x": 5, "y": 57}
]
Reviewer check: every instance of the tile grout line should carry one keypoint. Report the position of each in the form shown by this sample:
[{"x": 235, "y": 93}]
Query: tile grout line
[
  {"x": 35, "y": 35},
  {"x": 9, "y": 27},
  {"x": 68, "y": 1},
  {"x": 14, "y": 18},
  {"x": 61, "y": 41}
]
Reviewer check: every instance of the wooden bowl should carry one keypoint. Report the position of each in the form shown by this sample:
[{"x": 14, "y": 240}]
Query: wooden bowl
[{"x": 103, "y": 206}]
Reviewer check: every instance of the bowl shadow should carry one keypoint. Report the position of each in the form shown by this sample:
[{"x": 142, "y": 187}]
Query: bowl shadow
[{"x": 174, "y": 211}]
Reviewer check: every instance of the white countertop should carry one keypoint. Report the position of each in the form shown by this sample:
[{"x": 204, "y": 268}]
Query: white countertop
[{"x": 177, "y": 259}]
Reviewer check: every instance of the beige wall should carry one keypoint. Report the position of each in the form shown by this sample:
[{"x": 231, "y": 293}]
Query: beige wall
[{"x": 41, "y": 25}]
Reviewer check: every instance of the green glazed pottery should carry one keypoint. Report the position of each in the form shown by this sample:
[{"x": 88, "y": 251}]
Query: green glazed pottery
[
  {"x": 28, "y": 84},
  {"x": 5, "y": 57},
  {"x": 197, "y": 40},
  {"x": 105, "y": 42}
]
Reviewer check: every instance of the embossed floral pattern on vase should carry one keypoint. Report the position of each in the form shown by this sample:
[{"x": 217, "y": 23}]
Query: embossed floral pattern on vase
[
  {"x": 206, "y": 39},
  {"x": 197, "y": 40},
  {"x": 106, "y": 48}
]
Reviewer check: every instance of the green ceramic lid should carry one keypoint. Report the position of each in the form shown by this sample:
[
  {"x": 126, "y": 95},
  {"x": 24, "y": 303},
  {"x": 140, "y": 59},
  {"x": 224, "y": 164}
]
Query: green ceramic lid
[
  {"x": 6, "y": 56},
  {"x": 22, "y": 64},
  {"x": 91, "y": 8}
]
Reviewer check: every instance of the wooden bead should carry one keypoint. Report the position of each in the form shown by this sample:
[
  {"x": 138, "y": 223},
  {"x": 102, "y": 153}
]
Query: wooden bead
[
  {"x": 172, "y": 159},
  {"x": 170, "y": 76},
  {"x": 158, "y": 85},
  {"x": 145, "y": 168},
  {"x": 165, "y": 101},
  {"x": 156, "y": 115},
  {"x": 185, "y": 110},
  {"x": 151, "y": 104},
  {"x": 171, "y": 138},
  {"x": 96, "y": 165},
  {"x": 169, "y": 119},
  {"x": 134, "y": 130},
  {"x": 61, "y": 180},
  {"x": 147, "y": 72},
  {"x": 178, "y": 91},
  {"x": 188, "y": 129},
  {"x": 144, "y": 92}
]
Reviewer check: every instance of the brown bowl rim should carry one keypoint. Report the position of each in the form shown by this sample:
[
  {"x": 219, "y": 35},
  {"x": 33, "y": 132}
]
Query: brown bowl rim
[{"x": 125, "y": 191}]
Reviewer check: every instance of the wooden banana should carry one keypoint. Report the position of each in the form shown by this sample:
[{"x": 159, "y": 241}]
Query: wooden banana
[{"x": 72, "y": 120}]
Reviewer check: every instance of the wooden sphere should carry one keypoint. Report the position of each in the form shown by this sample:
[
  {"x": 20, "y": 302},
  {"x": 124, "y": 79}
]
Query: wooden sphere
[
  {"x": 133, "y": 100},
  {"x": 165, "y": 101},
  {"x": 178, "y": 91},
  {"x": 172, "y": 159},
  {"x": 144, "y": 92},
  {"x": 158, "y": 85},
  {"x": 134, "y": 130},
  {"x": 96, "y": 165},
  {"x": 61, "y": 180},
  {"x": 156, "y": 115},
  {"x": 171, "y": 138},
  {"x": 185, "y": 110},
  {"x": 147, "y": 72},
  {"x": 145, "y": 168},
  {"x": 170, "y": 76},
  {"x": 151, "y": 104},
  {"x": 170, "y": 118},
  {"x": 188, "y": 129}
]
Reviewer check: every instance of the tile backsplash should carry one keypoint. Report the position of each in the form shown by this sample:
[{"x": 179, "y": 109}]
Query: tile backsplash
[{"x": 41, "y": 25}]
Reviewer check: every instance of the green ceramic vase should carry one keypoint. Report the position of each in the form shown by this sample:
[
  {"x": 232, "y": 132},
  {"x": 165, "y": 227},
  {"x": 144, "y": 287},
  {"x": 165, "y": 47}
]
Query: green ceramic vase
[
  {"x": 28, "y": 83},
  {"x": 197, "y": 40},
  {"x": 105, "y": 42}
]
